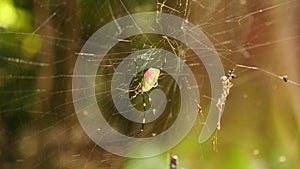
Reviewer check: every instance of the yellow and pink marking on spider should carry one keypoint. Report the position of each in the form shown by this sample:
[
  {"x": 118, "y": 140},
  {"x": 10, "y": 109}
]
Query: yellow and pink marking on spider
[{"x": 150, "y": 79}]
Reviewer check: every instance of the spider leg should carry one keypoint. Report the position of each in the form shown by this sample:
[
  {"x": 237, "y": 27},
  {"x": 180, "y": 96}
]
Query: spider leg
[
  {"x": 134, "y": 96},
  {"x": 136, "y": 66},
  {"x": 155, "y": 85},
  {"x": 136, "y": 90},
  {"x": 144, "y": 117},
  {"x": 163, "y": 65}
]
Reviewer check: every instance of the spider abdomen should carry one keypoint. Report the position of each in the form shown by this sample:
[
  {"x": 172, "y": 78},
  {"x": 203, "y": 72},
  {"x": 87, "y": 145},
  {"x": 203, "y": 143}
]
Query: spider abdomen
[{"x": 150, "y": 79}]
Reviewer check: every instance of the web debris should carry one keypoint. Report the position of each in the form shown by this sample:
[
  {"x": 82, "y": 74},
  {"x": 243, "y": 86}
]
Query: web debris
[
  {"x": 226, "y": 86},
  {"x": 173, "y": 161}
]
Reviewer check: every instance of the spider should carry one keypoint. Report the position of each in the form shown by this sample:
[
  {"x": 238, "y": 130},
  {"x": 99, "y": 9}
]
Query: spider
[{"x": 147, "y": 82}]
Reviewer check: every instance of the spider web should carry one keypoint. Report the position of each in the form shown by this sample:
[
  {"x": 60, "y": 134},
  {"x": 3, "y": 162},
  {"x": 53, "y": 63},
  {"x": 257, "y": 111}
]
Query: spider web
[{"x": 41, "y": 41}]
